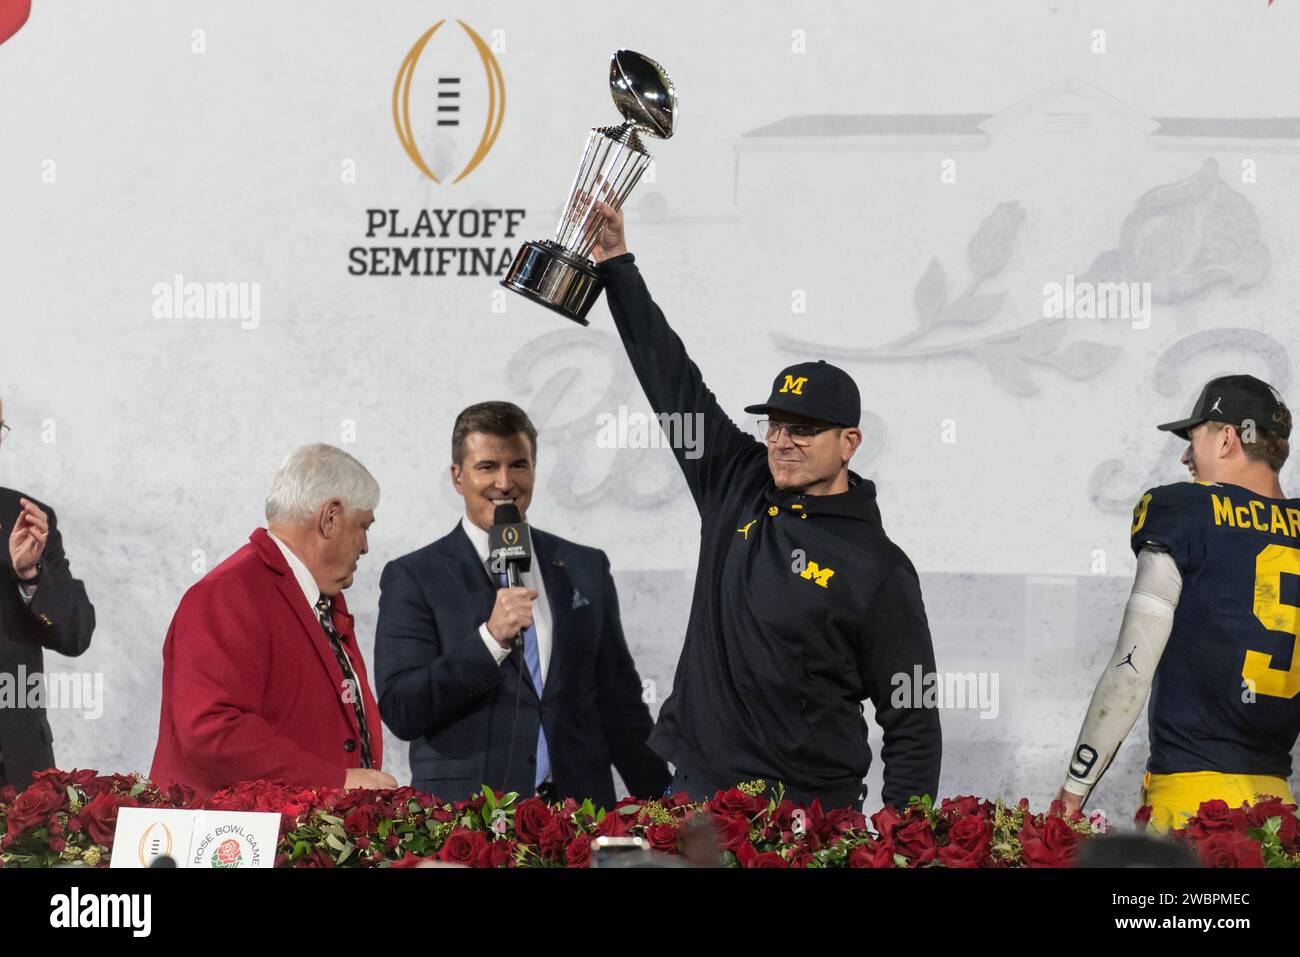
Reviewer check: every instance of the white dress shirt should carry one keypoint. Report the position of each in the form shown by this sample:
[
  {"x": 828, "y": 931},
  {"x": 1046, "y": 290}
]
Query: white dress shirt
[
  {"x": 529, "y": 579},
  {"x": 306, "y": 581}
]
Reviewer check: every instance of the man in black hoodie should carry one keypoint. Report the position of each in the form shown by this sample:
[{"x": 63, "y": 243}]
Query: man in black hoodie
[{"x": 803, "y": 607}]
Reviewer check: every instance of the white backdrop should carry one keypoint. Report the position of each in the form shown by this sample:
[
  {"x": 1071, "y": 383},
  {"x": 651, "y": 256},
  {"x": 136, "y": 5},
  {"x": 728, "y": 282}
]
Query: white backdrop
[{"x": 843, "y": 176}]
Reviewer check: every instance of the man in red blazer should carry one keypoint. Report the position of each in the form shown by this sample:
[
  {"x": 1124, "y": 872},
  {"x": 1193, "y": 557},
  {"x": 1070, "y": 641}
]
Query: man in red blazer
[{"x": 262, "y": 675}]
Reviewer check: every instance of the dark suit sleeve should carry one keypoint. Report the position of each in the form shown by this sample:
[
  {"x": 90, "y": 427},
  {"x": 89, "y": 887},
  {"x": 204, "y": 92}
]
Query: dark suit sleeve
[
  {"x": 895, "y": 641},
  {"x": 61, "y": 616},
  {"x": 424, "y": 682},
  {"x": 627, "y": 719},
  {"x": 674, "y": 385}
]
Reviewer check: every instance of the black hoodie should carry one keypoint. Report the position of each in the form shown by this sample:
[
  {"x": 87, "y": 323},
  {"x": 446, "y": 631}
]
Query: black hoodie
[{"x": 803, "y": 607}]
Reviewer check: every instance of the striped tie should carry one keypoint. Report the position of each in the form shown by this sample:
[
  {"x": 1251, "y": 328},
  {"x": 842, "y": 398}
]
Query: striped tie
[{"x": 325, "y": 612}]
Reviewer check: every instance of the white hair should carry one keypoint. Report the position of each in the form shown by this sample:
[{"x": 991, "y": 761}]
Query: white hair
[{"x": 314, "y": 474}]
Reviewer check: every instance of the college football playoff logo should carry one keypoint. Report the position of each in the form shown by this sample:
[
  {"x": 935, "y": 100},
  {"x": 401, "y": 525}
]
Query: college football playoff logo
[{"x": 446, "y": 100}]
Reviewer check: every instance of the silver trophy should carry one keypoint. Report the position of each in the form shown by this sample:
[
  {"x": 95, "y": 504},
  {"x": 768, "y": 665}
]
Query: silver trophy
[{"x": 558, "y": 273}]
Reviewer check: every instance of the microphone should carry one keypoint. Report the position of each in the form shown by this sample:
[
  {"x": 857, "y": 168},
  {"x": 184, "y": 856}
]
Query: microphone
[
  {"x": 509, "y": 546},
  {"x": 511, "y": 552}
]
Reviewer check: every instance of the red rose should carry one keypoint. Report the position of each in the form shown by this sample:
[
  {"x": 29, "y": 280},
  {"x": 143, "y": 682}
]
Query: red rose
[
  {"x": 615, "y": 825},
  {"x": 842, "y": 819},
  {"x": 1052, "y": 845},
  {"x": 749, "y": 857},
  {"x": 578, "y": 853},
  {"x": 555, "y": 837},
  {"x": 180, "y": 795},
  {"x": 677, "y": 800},
  {"x": 885, "y": 820},
  {"x": 732, "y": 832},
  {"x": 408, "y": 860},
  {"x": 915, "y": 841},
  {"x": 735, "y": 801},
  {"x": 99, "y": 817},
  {"x": 531, "y": 817},
  {"x": 1215, "y": 816},
  {"x": 801, "y": 856},
  {"x": 872, "y": 855},
  {"x": 1289, "y": 830},
  {"x": 1143, "y": 815},
  {"x": 954, "y": 856},
  {"x": 967, "y": 806},
  {"x": 462, "y": 847},
  {"x": 474, "y": 805},
  {"x": 496, "y": 854},
  {"x": 662, "y": 837},
  {"x": 969, "y": 841},
  {"x": 1229, "y": 849},
  {"x": 360, "y": 820},
  {"x": 33, "y": 807}
]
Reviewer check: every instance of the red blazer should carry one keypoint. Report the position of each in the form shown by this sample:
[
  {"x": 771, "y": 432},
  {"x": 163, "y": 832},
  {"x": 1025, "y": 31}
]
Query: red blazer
[{"x": 251, "y": 688}]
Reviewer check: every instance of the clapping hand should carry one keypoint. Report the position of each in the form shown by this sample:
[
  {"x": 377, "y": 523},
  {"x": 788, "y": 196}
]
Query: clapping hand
[{"x": 27, "y": 539}]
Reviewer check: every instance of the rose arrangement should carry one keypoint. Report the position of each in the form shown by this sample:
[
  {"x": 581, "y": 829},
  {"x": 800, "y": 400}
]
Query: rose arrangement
[
  {"x": 1264, "y": 834},
  {"x": 69, "y": 817}
]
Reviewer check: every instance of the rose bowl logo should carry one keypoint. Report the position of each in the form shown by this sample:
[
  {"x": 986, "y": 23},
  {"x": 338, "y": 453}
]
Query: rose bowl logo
[
  {"x": 449, "y": 100},
  {"x": 227, "y": 854}
]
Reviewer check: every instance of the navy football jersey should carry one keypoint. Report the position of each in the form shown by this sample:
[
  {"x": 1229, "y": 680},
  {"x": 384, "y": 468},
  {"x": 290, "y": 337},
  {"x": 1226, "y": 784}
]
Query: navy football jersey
[{"x": 1226, "y": 694}]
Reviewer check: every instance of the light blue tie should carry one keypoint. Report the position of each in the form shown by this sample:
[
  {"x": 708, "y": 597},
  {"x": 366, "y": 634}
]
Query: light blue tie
[{"x": 534, "y": 664}]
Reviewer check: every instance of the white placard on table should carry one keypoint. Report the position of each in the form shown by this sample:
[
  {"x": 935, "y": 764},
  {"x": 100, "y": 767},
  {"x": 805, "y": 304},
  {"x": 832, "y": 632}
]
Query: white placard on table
[{"x": 220, "y": 839}]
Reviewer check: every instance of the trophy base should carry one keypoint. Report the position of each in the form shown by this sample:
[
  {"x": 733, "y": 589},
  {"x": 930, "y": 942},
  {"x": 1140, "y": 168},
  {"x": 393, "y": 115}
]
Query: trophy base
[{"x": 548, "y": 275}]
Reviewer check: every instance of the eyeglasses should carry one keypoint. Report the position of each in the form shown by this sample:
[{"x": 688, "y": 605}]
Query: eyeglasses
[{"x": 800, "y": 434}]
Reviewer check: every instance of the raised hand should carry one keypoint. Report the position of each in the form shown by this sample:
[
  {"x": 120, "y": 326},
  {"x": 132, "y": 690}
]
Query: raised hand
[{"x": 27, "y": 539}]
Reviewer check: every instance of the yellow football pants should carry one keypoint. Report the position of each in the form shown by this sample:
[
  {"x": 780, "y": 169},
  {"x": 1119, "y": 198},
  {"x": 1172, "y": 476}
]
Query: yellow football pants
[{"x": 1176, "y": 797}]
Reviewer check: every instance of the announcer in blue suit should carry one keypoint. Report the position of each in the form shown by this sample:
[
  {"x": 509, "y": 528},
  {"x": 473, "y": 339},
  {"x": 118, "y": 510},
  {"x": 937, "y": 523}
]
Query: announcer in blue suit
[{"x": 548, "y": 718}]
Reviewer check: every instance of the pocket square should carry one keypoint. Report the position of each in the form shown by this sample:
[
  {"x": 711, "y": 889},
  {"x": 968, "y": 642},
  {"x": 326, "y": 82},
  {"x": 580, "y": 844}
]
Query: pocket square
[{"x": 578, "y": 600}]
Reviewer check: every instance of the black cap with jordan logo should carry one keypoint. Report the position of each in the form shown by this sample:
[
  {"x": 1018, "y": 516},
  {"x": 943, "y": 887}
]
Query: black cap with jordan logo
[
  {"x": 1235, "y": 400},
  {"x": 817, "y": 390}
]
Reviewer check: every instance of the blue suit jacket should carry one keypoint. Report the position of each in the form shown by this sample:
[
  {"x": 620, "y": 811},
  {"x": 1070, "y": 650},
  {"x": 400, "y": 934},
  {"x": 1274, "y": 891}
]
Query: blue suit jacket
[{"x": 440, "y": 688}]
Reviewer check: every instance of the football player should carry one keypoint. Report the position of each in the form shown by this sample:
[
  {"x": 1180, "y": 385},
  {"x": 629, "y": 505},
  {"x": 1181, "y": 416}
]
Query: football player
[{"x": 1212, "y": 627}]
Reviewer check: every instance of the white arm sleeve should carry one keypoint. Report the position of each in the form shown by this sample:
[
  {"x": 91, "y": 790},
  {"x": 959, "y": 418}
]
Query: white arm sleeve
[{"x": 1122, "y": 691}]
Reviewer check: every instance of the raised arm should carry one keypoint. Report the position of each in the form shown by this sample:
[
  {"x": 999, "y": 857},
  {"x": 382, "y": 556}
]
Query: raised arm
[{"x": 671, "y": 381}]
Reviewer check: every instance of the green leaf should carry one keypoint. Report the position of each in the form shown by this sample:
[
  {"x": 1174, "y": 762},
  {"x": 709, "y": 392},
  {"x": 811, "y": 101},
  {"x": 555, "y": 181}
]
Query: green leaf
[{"x": 138, "y": 788}]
